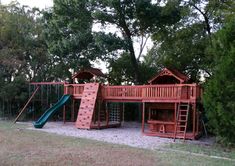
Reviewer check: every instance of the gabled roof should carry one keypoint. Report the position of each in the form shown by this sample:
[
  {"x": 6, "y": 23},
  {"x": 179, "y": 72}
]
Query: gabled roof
[
  {"x": 88, "y": 73},
  {"x": 170, "y": 72}
]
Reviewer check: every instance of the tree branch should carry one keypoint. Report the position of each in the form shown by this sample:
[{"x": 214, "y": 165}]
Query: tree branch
[{"x": 142, "y": 45}]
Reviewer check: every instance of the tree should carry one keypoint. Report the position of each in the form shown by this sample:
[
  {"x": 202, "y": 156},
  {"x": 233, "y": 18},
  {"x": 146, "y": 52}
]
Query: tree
[
  {"x": 120, "y": 71},
  {"x": 68, "y": 28},
  {"x": 219, "y": 98},
  {"x": 184, "y": 44},
  {"x": 23, "y": 53},
  {"x": 133, "y": 19}
]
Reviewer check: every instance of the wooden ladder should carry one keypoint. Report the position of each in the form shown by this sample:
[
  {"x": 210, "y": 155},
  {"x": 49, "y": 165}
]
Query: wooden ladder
[
  {"x": 181, "y": 120},
  {"x": 87, "y": 106}
]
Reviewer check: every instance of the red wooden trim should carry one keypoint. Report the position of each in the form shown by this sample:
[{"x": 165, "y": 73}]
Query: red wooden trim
[{"x": 171, "y": 74}]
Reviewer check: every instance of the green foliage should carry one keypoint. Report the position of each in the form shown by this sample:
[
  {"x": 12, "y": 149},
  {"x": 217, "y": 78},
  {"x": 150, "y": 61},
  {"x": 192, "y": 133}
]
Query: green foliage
[
  {"x": 132, "y": 20},
  {"x": 219, "y": 97},
  {"x": 184, "y": 49},
  {"x": 184, "y": 44},
  {"x": 120, "y": 71},
  {"x": 23, "y": 51},
  {"x": 23, "y": 54},
  {"x": 68, "y": 35}
]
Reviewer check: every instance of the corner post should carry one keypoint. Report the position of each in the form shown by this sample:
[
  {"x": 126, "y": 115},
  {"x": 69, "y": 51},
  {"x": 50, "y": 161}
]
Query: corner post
[
  {"x": 64, "y": 114},
  {"x": 143, "y": 116}
]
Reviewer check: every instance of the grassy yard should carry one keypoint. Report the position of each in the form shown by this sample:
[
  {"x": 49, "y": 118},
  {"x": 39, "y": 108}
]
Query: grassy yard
[{"x": 19, "y": 146}]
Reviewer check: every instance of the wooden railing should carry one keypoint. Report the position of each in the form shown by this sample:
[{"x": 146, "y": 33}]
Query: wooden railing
[
  {"x": 74, "y": 89},
  {"x": 119, "y": 92},
  {"x": 142, "y": 92},
  {"x": 152, "y": 92}
]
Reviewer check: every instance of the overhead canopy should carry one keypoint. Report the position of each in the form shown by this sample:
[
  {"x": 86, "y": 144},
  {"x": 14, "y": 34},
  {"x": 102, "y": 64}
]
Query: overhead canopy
[
  {"x": 88, "y": 73},
  {"x": 169, "y": 76}
]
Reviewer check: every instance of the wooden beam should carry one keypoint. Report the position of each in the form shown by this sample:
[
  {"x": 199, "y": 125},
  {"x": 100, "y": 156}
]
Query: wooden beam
[
  {"x": 99, "y": 114},
  {"x": 107, "y": 114},
  {"x": 143, "y": 116},
  {"x": 123, "y": 113},
  {"x": 64, "y": 114},
  {"x": 22, "y": 110},
  {"x": 194, "y": 119},
  {"x": 73, "y": 110}
]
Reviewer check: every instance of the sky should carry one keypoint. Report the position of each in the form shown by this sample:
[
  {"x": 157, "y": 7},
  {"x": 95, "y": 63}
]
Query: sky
[{"x": 32, "y": 3}]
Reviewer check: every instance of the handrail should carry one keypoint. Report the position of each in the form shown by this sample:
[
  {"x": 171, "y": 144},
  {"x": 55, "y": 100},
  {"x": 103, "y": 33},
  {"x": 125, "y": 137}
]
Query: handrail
[
  {"x": 171, "y": 91},
  {"x": 140, "y": 92},
  {"x": 74, "y": 89}
]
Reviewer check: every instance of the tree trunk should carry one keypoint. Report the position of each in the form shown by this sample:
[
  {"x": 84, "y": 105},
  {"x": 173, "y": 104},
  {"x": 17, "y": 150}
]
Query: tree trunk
[
  {"x": 134, "y": 62},
  {"x": 127, "y": 35}
]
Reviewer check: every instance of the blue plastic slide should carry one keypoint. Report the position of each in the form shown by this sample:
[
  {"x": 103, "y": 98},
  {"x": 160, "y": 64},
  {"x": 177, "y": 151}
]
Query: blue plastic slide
[{"x": 44, "y": 118}]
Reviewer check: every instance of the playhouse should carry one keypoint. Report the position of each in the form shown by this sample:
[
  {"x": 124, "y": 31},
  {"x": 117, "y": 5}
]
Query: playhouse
[{"x": 168, "y": 104}]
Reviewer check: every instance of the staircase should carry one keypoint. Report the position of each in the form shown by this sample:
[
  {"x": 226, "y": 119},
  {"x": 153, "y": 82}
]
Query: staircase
[
  {"x": 181, "y": 121},
  {"x": 87, "y": 106}
]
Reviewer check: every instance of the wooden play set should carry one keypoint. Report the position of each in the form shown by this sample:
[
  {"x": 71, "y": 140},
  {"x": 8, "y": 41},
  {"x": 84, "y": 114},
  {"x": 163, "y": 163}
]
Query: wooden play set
[{"x": 170, "y": 104}]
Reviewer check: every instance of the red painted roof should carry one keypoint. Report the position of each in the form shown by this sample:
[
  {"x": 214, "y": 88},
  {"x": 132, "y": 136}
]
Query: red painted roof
[
  {"x": 89, "y": 73},
  {"x": 173, "y": 72}
]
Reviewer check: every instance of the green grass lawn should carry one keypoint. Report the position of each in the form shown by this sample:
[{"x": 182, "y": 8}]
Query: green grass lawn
[{"x": 19, "y": 146}]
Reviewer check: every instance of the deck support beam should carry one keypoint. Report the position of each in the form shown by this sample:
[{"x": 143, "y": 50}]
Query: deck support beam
[
  {"x": 194, "y": 119},
  {"x": 64, "y": 114},
  {"x": 123, "y": 113},
  {"x": 72, "y": 110},
  {"x": 143, "y": 116},
  {"x": 99, "y": 114},
  {"x": 107, "y": 114}
]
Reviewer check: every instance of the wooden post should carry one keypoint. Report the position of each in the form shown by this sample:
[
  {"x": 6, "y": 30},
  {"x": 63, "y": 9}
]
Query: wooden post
[
  {"x": 143, "y": 115},
  {"x": 120, "y": 113},
  {"x": 64, "y": 114},
  {"x": 107, "y": 114},
  {"x": 175, "y": 116},
  {"x": 149, "y": 111},
  {"x": 123, "y": 113},
  {"x": 197, "y": 114},
  {"x": 194, "y": 119},
  {"x": 73, "y": 110},
  {"x": 99, "y": 115}
]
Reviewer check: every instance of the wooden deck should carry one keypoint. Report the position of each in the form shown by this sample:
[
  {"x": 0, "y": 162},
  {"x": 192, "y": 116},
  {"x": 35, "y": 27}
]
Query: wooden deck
[
  {"x": 142, "y": 93},
  {"x": 148, "y": 94}
]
